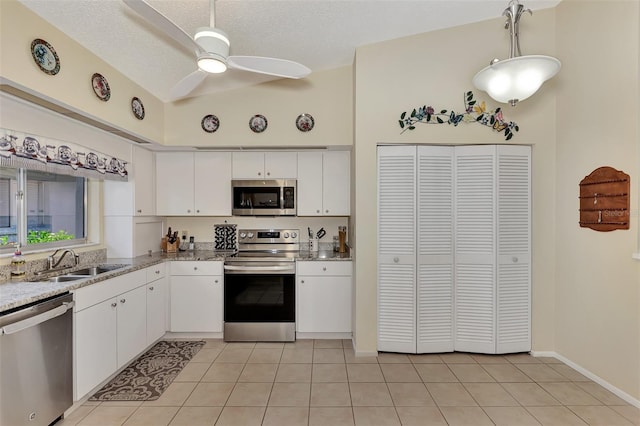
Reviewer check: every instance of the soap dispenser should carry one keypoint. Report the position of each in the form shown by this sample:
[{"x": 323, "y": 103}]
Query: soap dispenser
[{"x": 17, "y": 265}]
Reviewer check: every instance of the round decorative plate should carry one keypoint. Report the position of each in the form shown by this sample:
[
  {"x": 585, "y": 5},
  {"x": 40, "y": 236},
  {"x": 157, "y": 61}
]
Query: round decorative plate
[
  {"x": 210, "y": 123},
  {"x": 304, "y": 122},
  {"x": 101, "y": 87},
  {"x": 137, "y": 108},
  {"x": 45, "y": 56},
  {"x": 258, "y": 123}
]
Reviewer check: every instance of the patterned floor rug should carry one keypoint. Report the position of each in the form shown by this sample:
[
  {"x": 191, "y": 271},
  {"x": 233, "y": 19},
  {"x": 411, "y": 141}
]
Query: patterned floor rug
[{"x": 147, "y": 377}]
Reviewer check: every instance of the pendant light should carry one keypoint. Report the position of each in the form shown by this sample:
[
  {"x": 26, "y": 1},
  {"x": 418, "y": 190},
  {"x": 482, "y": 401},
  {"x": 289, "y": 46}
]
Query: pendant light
[{"x": 515, "y": 79}]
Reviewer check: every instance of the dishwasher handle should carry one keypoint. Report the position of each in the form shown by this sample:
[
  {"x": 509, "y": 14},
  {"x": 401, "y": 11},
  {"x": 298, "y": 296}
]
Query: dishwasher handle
[{"x": 37, "y": 319}]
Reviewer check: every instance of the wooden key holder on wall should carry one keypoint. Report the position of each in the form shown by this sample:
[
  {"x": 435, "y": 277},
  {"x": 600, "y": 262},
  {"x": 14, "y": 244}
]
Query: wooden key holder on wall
[{"x": 604, "y": 200}]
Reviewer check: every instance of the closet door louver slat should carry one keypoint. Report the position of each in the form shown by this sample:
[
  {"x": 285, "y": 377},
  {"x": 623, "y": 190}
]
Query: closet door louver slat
[
  {"x": 435, "y": 249},
  {"x": 396, "y": 249},
  {"x": 475, "y": 256},
  {"x": 514, "y": 255}
]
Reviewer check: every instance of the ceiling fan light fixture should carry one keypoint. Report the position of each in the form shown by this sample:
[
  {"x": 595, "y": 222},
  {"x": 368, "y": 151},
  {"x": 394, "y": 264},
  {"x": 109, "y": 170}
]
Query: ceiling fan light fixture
[
  {"x": 212, "y": 64},
  {"x": 517, "y": 78}
]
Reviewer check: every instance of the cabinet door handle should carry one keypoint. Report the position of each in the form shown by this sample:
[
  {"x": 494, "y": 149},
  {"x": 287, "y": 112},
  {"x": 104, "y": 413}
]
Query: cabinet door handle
[
  {"x": 157, "y": 271},
  {"x": 188, "y": 211},
  {"x": 259, "y": 173},
  {"x": 216, "y": 281},
  {"x": 268, "y": 173},
  {"x": 396, "y": 260},
  {"x": 324, "y": 268},
  {"x": 123, "y": 300},
  {"x": 326, "y": 211},
  {"x": 317, "y": 211},
  {"x": 198, "y": 211},
  {"x": 301, "y": 281},
  {"x": 139, "y": 211},
  {"x": 195, "y": 268},
  {"x": 151, "y": 288},
  {"x": 514, "y": 259},
  {"x": 114, "y": 304}
]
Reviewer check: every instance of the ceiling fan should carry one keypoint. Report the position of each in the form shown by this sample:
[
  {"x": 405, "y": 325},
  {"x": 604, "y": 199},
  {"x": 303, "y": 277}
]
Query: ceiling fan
[{"x": 211, "y": 47}]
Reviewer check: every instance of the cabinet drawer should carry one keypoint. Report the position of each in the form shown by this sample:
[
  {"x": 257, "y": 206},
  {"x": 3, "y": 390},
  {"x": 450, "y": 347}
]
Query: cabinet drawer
[
  {"x": 320, "y": 268},
  {"x": 155, "y": 272},
  {"x": 196, "y": 268},
  {"x": 96, "y": 293}
]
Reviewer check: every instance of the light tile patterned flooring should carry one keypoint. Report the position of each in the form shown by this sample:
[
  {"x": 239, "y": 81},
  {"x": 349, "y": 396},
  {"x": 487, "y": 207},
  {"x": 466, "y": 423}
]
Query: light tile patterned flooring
[{"x": 322, "y": 383}]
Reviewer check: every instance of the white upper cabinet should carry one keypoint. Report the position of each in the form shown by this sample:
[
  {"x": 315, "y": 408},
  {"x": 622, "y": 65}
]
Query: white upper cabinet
[
  {"x": 174, "y": 183},
  {"x": 137, "y": 196},
  {"x": 212, "y": 180},
  {"x": 324, "y": 183},
  {"x": 265, "y": 165},
  {"x": 191, "y": 184},
  {"x": 144, "y": 182}
]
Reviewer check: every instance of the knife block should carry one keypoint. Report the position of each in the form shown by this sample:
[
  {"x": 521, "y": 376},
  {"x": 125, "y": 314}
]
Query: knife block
[
  {"x": 173, "y": 247},
  {"x": 167, "y": 247}
]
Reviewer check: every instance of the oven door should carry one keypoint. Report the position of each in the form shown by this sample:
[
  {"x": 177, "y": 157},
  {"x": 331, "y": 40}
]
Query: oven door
[{"x": 259, "y": 293}]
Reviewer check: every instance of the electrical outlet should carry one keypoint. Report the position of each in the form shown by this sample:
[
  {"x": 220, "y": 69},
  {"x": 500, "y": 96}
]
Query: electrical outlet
[{"x": 184, "y": 235}]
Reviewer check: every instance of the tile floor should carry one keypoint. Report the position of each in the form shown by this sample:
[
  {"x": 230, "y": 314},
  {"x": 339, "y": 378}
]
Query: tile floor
[{"x": 322, "y": 383}]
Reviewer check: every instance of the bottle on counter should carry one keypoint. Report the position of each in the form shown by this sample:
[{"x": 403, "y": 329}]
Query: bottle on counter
[
  {"x": 17, "y": 265},
  {"x": 192, "y": 244}
]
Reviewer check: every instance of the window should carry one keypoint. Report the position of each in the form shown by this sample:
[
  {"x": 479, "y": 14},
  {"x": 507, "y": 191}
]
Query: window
[{"x": 41, "y": 209}]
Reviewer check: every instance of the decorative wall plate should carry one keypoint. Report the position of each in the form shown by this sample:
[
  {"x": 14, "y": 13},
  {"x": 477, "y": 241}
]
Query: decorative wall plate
[
  {"x": 100, "y": 87},
  {"x": 137, "y": 108},
  {"x": 258, "y": 123},
  {"x": 210, "y": 123},
  {"x": 45, "y": 56},
  {"x": 304, "y": 122}
]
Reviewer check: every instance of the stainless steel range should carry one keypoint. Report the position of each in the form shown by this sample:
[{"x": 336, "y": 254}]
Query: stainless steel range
[{"x": 259, "y": 286}]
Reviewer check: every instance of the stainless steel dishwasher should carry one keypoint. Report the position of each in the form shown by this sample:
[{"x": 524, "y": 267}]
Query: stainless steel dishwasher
[{"x": 36, "y": 378}]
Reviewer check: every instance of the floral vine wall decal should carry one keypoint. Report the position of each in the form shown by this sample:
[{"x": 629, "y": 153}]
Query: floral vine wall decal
[{"x": 473, "y": 113}]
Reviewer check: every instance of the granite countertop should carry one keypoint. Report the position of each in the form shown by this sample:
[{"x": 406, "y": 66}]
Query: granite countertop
[{"x": 14, "y": 294}]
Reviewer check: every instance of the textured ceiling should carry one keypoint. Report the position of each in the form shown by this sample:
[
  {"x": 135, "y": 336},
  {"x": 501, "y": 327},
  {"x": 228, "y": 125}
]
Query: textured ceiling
[{"x": 321, "y": 34}]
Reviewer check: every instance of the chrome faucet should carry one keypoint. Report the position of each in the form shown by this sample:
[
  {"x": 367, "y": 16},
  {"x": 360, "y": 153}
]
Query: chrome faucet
[{"x": 53, "y": 264}]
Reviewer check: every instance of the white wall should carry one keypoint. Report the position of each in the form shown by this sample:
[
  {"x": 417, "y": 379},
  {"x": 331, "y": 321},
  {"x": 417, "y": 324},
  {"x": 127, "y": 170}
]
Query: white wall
[{"x": 597, "y": 319}]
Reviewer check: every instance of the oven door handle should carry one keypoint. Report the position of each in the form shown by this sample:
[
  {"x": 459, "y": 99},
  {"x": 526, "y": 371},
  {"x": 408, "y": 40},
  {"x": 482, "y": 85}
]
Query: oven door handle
[{"x": 259, "y": 268}]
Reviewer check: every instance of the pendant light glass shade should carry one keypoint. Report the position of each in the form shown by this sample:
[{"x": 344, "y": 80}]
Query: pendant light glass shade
[{"x": 515, "y": 79}]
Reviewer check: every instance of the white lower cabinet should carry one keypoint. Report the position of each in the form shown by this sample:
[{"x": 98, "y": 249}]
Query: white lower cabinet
[
  {"x": 110, "y": 328},
  {"x": 196, "y": 296},
  {"x": 323, "y": 297},
  {"x": 156, "y": 302},
  {"x": 131, "y": 324},
  {"x": 96, "y": 356}
]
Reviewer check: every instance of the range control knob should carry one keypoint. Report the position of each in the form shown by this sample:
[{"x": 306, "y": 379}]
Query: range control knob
[
  {"x": 242, "y": 235},
  {"x": 286, "y": 235},
  {"x": 294, "y": 235},
  {"x": 250, "y": 235}
]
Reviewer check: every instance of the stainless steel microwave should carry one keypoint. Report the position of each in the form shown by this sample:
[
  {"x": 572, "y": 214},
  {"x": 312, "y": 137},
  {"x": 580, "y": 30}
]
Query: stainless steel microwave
[{"x": 276, "y": 197}]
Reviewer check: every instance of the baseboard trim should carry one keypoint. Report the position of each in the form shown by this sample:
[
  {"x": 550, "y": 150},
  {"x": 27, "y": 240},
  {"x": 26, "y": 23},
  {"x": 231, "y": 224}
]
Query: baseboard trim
[{"x": 599, "y": 380}]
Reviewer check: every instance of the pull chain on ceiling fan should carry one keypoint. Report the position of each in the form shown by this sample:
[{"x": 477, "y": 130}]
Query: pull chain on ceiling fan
[{"x": 211, "y": 47}]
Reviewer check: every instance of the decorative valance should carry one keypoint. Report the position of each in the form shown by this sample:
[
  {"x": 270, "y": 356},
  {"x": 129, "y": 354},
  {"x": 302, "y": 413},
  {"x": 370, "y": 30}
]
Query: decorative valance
[{"x": 19, "y": 150}]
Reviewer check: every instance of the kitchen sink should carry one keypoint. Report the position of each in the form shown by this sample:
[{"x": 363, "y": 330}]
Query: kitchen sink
[
  {"x": 86, "y": 273},
  {"x": 96, "y": 270},
  {"x": 65, "y": 278}
]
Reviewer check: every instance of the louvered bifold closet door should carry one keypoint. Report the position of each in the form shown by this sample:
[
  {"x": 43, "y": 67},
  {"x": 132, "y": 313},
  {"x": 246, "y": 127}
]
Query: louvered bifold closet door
[
  {"x": 514, "y": 249},
  {"x": 475, "y": 249},
  {"x": 396, "y": 249},
  {"x": 435, "y": 249}
]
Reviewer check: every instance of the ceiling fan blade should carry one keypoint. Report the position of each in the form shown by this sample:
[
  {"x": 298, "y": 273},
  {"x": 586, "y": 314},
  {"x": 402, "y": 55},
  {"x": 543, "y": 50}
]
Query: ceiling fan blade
[
  {"x": 187, "y": 84},
  {"x": 164, "y": 24},
  {"x": 270, "y": 66}
]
